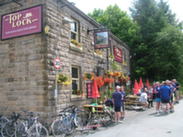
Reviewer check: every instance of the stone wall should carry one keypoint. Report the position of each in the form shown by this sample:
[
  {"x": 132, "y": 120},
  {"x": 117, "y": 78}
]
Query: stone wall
[
  {"x": 23, "y": 75},
  {"x": 58, "y": 39},
  {"x": 27, "y": 74}
]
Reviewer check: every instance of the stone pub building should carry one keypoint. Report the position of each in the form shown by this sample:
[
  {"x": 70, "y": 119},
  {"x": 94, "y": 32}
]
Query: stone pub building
[{"x": 33, "y": 34}]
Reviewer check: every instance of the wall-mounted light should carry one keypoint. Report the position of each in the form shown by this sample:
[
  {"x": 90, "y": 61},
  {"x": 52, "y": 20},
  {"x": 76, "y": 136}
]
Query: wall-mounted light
[
  {"x": 67, "y": 20},
  {"x": 46, "y": 29}
]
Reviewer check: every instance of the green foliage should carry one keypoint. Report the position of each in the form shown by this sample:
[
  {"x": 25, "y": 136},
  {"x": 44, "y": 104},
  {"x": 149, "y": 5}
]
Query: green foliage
[
  {"x": 154, "y": 35},
  {"x": 118, "y": 22},
  {"x": 158, "y": 55},
  {"x": 62, "y": 78}
]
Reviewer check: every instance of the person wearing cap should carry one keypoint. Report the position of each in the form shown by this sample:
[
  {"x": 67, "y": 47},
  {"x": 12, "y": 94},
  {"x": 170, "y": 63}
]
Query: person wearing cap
[
  {"x": 165, "y": 95},
  {"x": 117, "y": 97}
]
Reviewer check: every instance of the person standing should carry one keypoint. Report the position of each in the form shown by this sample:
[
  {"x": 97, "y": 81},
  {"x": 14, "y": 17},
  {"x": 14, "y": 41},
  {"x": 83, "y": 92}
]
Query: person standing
[
  {"x": 176, "y": 92},
  {"x": 150, "y": 97},
  {"x": 117, "y": 97},
  {"x": 143, "y": 98},
  {"x": 157, "y": 96},
  {"x": 172, "y": 88},
  {"x": 123, "y": 94},
  {"x": 165, "y": 95}
]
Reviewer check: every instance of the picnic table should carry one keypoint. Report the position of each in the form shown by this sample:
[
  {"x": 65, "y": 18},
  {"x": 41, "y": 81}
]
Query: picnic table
[{"x": 94, "y": 108}]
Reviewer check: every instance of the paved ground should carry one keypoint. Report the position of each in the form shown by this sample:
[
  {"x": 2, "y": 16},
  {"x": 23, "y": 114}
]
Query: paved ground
[{"x": 145, "y": 124}]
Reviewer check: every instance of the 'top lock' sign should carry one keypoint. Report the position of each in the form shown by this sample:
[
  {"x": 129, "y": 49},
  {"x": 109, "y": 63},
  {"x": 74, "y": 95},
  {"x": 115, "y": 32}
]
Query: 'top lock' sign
[{"x": 20, "y": 23}]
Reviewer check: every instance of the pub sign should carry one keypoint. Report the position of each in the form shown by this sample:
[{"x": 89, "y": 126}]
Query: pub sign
[
  {"x": 20, "y": 23},
  {"x": 101, "y": 39},
  {"x": 117, "y": 54}
]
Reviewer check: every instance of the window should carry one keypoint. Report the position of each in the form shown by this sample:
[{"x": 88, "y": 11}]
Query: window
[
  {"x": 76, "y": 82},
  {"x": 100, "y": 71},
  {"x": 74, "y": 28}
]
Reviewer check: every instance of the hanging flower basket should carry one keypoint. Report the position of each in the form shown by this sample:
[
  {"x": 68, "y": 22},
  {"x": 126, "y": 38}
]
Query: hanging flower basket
[
  {"x": 89, "y": 76},
  {"x": 108, "y": 80},
  {"x": 117, "y": 74},
  {"x": 63, "y": 79},
  {"x": 98, "y": 53},
  {"x": 100, "y": 81}
]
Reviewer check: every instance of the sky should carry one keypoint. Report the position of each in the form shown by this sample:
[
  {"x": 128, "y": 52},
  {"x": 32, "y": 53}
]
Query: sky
[{"x": 89, "y": 5}]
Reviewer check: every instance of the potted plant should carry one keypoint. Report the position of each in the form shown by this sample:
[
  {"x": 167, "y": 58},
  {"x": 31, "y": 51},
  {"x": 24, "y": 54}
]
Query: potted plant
[
  {"x": 76, "y": 44},
  {"x": 89, "y": 76},
  {"x": 79, "y": 92},
  {"x": 62, "y": 78},
  {"x": 98, "y": 53}
]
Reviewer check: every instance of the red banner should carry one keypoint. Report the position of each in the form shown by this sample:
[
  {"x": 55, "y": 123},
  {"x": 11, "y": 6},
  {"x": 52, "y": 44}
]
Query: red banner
[
  {"x": 89, "y": 89},
  {"x": 118, "y": 54},
  {"x": 20, "y": 23}
]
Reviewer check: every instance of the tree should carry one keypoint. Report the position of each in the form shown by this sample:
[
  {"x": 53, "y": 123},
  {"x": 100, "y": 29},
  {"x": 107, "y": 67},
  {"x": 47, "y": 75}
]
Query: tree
[
  {"x": 158, "y": 28},
  {"x": 169, "y": 53},
  {"x": 118, "y": 22},
  {"x": 164, "y": 9},
  {"x": 154, "y": 36}
]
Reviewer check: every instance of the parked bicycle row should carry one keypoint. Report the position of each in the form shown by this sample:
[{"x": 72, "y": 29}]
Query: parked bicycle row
[
  {"x": 27, "y": 124},
  {"x": 18, "y": 125}
]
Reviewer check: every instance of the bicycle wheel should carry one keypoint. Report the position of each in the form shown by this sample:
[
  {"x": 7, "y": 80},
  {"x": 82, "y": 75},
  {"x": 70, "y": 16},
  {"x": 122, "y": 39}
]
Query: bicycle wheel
[
  {"x": 93, "y": 121},
  {"x": 57, "y": 128},
  {"x": 37, "y": 131},
  {"x": 21, "y": 130},
  {"x": 3, "y": 121},
  {"x": 79, "y": 123},
  {"x": 68, "y": 126},
  {"x": 8, "y": 130},
  {"x": 105, "y": 120}
]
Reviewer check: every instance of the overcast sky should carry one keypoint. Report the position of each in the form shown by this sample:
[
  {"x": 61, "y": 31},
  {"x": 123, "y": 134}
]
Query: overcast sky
[{"x": 88, "y": 5}]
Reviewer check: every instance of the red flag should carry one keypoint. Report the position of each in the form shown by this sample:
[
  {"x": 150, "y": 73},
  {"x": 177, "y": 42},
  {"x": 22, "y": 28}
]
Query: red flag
[
  {"x": 147, "y": 83},
  {"x": 141, "y": 85},
  {"x": 136, "y": 87},
  {"x": 95, "y": 92}
]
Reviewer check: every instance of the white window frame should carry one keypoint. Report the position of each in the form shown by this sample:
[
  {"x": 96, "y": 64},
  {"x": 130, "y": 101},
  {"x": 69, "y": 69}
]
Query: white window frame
[
  {"x": 75, "y": 32},
  {"x": 77, "y": 79}
]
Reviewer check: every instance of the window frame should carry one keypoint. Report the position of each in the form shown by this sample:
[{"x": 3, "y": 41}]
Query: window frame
[
  {"x": 77, "y": 32},
  {"x": 78, "y": 80}
]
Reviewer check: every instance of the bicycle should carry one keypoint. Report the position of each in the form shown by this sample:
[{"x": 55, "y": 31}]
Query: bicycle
[
  {"x": 37, "y": 129},
  {"x": 14, "y": 127},
  {"x": 3, "y": 121},
  {"x": 100, "y": 118},
  {"x": 67, "y": 122}
]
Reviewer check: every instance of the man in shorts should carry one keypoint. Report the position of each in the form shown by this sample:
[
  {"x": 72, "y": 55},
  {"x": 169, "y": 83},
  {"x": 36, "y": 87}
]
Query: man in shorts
[
  {"x": 176, "y": 92},
  {"x": 117, "y": 97},
  {"x": 165, "y": 95},
  {"x": 123, "y": 94}
]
